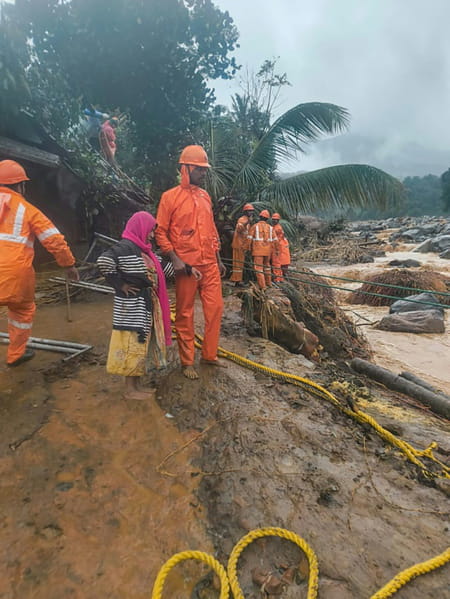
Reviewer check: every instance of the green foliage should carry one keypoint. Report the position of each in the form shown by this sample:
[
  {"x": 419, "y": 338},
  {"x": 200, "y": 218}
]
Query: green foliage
[
  {"x": 150, "y": 58},
  {"x": 445, "y": 186},
  {"x": 423, "y": 196}
]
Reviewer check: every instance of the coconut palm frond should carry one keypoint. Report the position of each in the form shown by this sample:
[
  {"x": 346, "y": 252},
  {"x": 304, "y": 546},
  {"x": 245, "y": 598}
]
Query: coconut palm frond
[
  {"x": 288, "y": 135},
  {"x": 350, "y": 185}
]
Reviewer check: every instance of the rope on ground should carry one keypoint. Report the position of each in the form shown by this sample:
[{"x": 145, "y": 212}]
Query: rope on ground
[
  {"x": 313, "y": 582},
  {"x": 230, "y": 580},
  {"x": 197, "y": 555},
  {"x": 417, "y": 570},
  {"x": 408, "y": 450}
]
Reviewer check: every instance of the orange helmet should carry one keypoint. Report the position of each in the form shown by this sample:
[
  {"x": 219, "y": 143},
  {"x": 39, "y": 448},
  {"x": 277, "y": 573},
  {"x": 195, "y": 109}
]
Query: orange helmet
[
  {"x": 264, "y": 214},
  {"x": 276, "y": 216},
  {"x": 247, "y": 207},
  {"x": 12, "y": 172},
  {"x": 194, "y": 155}
]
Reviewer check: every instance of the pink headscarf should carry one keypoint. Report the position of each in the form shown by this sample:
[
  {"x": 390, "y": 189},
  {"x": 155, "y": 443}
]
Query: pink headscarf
[{"x": 136, "y": 230}]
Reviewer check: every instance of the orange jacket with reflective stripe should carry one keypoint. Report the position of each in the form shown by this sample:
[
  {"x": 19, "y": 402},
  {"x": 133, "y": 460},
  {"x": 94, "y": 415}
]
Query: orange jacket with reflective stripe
[
  {"x": 186, "y": 225},
  {"x": 262, "y": 238},
  {"x": 240, "y": 238},
  {"x": 20, "y": 224}
]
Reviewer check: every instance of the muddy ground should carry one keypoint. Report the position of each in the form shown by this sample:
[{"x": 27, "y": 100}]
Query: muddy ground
[{"x": 97, "y": 492}]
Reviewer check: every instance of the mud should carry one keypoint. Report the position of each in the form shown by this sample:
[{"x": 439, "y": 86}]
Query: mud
[{"x": 97, "y": 492}]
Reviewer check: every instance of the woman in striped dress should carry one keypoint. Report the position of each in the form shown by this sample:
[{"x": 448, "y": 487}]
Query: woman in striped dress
[{"x": 141, "y": 316}]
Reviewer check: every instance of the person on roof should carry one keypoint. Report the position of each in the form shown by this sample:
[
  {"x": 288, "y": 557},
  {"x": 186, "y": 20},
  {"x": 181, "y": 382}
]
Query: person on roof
[
  {"x": 107, "y": 137},
  {"x": 20, "y": 224},
  {"x": 281, "y": 258},
  {"x": 92, "y": 124},
  {"x": 187, "y": 234},
  {"x": 263, "y": 243},
  {"x": 241, "y": 244}
]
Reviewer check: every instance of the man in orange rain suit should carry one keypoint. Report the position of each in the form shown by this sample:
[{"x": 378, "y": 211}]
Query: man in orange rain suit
[
  {"x": 263, "y": 243},
  {"x": 241, "y": 244},
  {"x": 20, "y": 223},
  {"x": 187, "y": 234},
  {"x": 282, "y": 257}
]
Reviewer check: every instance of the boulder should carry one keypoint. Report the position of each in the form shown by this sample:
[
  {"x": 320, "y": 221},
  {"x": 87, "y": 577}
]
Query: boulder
[
  {"x": 404, "y": 305},
  {"x": 445, "y": 255},
  {"x": 405, "y": 263},
  {"x": 419, "y": 321},
  {"x": 441, "y": 243},
  {"x": 425, "y": 247}
]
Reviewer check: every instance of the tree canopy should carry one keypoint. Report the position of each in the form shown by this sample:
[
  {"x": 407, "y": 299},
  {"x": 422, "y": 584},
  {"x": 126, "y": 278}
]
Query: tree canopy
[{"x": 150, "y": 58}]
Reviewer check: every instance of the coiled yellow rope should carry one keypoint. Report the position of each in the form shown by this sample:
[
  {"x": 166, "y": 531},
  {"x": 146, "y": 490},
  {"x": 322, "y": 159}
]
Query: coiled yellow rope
[
  {"x": 313, "y": 583},
  {"x": 185, "y": 555}
]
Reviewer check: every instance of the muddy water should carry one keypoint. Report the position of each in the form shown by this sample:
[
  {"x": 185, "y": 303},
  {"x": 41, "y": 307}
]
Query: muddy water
[{"x": 426, "y": 355}]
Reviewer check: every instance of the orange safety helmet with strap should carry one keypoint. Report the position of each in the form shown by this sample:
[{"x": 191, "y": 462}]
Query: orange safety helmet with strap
[
  {"x": 247, "y": 207},
  {"x": 12, "y": 172},
  {"x": 264, "y": 214},
  {"x": 194, "y": 155},
  {"x": 276, "y": 216}
]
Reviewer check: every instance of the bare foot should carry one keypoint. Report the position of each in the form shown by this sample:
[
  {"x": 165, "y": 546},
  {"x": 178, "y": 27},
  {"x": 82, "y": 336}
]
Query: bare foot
[
  {"x": 218, "y": 363},
  {"x": 140, "y": 395},
  {"x": 190, "y": 372}
]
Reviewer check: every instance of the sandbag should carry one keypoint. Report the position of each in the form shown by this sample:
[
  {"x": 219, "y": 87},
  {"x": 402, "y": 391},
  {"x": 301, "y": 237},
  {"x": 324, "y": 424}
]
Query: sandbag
[
  {"x": 419, "y": 321},
  {"x": 404, "y": 305}
]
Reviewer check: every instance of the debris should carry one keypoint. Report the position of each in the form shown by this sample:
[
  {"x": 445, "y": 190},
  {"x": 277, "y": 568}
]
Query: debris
[
  {"x": 437, "y": 403},
  {"x": 64, "y": 347},
  {"x": 373, "y": 291}
]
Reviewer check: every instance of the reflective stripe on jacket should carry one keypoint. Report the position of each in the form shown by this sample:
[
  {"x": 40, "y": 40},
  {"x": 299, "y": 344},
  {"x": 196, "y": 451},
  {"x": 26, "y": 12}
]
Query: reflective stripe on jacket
[
  {"x": 20, "y": 224},
  {"x": 186, "y": 225},
  {"x": 262, "y": 239}
]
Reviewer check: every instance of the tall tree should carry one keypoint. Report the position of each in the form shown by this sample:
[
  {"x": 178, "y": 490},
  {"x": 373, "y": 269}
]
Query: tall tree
[
  {"x": 247, "y": 146},
  {"x": 152, "y": 58}
]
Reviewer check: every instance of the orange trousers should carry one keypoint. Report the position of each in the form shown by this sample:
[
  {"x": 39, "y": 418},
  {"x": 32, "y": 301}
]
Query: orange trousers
[
  {"x": 210, "y": 290},
  {"x": 262, "y": 270},
  {"x": 276, "y": 268},
  {"x": 20, "y": 321},
  {"x": 238, "y": 265}
]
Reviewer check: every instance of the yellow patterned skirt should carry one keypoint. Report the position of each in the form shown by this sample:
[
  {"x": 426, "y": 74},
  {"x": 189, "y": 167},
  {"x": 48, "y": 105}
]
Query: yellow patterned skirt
[{"x": 128, "y": 357}]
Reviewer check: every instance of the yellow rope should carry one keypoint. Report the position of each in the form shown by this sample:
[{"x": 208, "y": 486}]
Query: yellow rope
[
  {"x": 198, "y": 555},
  {"x": 313, "y": 583},
  {"x": 403, "y": 577},
  {"x": 232, "y": 581},
  {"x": 408, "y": 450}
]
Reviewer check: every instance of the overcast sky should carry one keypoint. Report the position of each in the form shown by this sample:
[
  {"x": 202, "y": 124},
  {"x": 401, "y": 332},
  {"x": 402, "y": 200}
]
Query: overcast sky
[{"x": 386, "y": 61}]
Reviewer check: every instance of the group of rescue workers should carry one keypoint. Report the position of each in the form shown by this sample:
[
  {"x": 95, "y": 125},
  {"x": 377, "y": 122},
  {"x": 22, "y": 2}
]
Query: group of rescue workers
[
  {"x": 267, "y": 245},
  {"x": 184, "y": 230}
]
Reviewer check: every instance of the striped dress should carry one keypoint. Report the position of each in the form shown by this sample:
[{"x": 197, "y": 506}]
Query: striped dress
[{"x": 135, "y": 329}]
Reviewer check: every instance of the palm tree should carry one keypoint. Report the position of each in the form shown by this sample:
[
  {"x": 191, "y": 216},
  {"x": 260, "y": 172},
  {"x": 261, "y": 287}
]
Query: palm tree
[{"x": 245, "y": 163}]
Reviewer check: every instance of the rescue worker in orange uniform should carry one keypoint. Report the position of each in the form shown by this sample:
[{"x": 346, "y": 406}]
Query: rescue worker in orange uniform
[
  {"x": 20, "y": 223},
  {"x": 282, "y": 257},
  {"x": 187, "y": 234},
  {"x": 241, "y": 244},
  {"x": 263, "y": 244}
]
